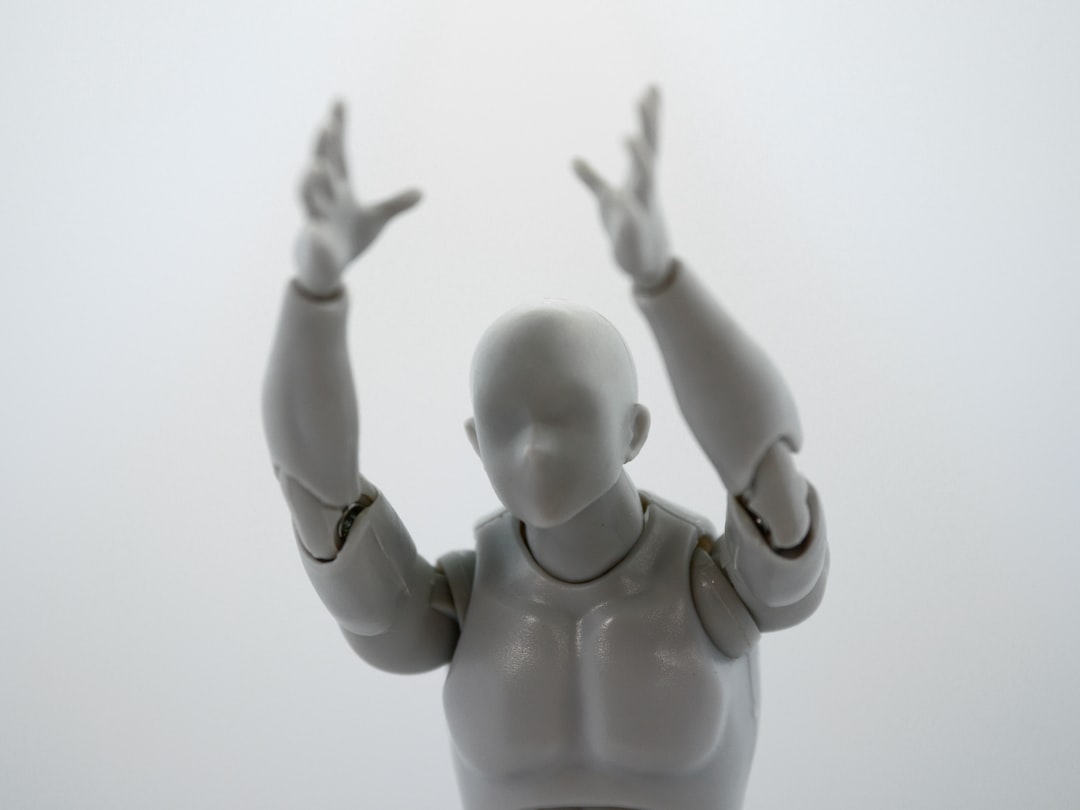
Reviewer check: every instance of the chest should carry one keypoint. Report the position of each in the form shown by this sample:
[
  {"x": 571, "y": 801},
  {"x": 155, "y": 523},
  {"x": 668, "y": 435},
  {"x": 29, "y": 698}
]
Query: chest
[{"x": 615, "y": 674}]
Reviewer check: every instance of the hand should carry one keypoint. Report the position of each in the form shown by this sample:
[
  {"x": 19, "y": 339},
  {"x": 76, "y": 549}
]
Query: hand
[
  {"x": 338, "y": 227},
  {"x": 630, "y": 213}
]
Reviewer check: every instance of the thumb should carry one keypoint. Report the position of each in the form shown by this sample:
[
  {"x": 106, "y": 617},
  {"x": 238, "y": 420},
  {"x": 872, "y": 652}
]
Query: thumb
[{"x": 391, "y": 207}]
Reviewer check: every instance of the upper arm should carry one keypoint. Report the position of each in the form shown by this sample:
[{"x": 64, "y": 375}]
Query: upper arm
[
  {"x": 780, "y": 588},
  {"x": 385, "y": 596},
  {"x": 424, "y": 639},
  {"x": 743, "y": 586}
]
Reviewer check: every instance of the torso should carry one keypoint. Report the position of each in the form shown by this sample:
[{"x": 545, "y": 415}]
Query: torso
[{"x": 605, "y": 693}]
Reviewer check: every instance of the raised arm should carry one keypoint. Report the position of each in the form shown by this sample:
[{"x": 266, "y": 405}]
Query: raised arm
[
  {"x": 733, "y": 398},
  {"x": 394, "y": 608}
]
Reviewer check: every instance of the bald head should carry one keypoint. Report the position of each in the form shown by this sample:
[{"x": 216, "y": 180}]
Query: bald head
[
  {"x": 551, "y": 344},
  {"x": 555, "y": 409}
]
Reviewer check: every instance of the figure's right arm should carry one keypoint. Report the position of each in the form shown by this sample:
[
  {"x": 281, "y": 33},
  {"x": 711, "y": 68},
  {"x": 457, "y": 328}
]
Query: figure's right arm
[{"x": 395, "y": 609}]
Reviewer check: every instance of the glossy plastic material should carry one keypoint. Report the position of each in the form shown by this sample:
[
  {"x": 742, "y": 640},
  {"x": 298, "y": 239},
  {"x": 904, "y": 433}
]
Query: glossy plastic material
[{"x": 601, "y": 642}]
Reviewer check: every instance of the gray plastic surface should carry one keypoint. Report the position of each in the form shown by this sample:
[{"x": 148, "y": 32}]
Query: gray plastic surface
[
  {"x": 606, "y": 693},
  {"x": 602, "y": 643}
]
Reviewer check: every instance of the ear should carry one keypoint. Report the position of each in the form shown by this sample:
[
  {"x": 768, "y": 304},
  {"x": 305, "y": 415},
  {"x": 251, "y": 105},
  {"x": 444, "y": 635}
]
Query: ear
[
  {"x": 470, "y": 431},
  {"x": 639, "y": 430}
]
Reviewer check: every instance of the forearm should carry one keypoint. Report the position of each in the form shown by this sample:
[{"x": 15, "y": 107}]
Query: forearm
[
  {"x": 736, "y": 404},
  {"x": 310, "y": 414},
  {"x": 732, "y": 396}
]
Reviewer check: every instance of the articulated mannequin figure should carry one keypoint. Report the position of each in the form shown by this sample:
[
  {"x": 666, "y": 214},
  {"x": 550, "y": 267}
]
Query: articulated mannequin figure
[{"x": 601, "y": 642}]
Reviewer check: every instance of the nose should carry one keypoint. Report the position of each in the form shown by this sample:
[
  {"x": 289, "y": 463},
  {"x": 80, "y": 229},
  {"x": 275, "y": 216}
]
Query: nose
[{"x": 538, "y": 443}]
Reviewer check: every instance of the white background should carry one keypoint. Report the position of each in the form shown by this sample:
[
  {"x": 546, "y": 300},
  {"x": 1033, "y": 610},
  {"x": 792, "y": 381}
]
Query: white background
[{"x": 887, "y": 195}]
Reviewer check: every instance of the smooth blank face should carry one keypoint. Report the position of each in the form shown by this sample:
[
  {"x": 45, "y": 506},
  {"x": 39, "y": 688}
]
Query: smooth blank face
[{"x": 555, "y": 414}]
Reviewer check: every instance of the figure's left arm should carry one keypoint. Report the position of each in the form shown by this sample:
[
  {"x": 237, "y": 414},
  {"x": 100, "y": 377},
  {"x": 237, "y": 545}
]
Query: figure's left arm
[{"x": 773, "y": 551}]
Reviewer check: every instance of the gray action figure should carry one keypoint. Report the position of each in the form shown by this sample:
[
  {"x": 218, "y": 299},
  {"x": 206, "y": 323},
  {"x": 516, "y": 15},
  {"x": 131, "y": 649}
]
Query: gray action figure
[{"x": 601, "y": 642}]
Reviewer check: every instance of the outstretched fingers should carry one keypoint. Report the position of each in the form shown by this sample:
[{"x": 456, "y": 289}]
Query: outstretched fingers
[
  {"x": 391, "y": 207},
  {"x": 613, "y": 202},
  {"x": 642, "y": 174},
  {"x": 591, "y": 178},
  {"x": 330, "y": 144},
  {"x": 317, "y": 191},
  {"x": 649, "y": 113}
]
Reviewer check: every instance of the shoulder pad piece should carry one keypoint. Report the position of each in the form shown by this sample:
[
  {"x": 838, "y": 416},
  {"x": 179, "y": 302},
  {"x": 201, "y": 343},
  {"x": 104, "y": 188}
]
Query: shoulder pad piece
[
  {"x": 460, "y": 570},
  {"x": 704, "y": 525}
]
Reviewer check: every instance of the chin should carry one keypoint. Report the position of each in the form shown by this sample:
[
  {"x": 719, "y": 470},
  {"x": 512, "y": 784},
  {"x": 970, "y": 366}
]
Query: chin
[
  {"x": 540, "y": 518},
  {"x": 544, "y": 520},
  {"x": 555, "y": 512}
]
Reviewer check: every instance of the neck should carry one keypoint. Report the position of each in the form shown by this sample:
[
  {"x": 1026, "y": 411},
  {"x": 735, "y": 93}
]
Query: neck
[{"x": 594, "y": 540}]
